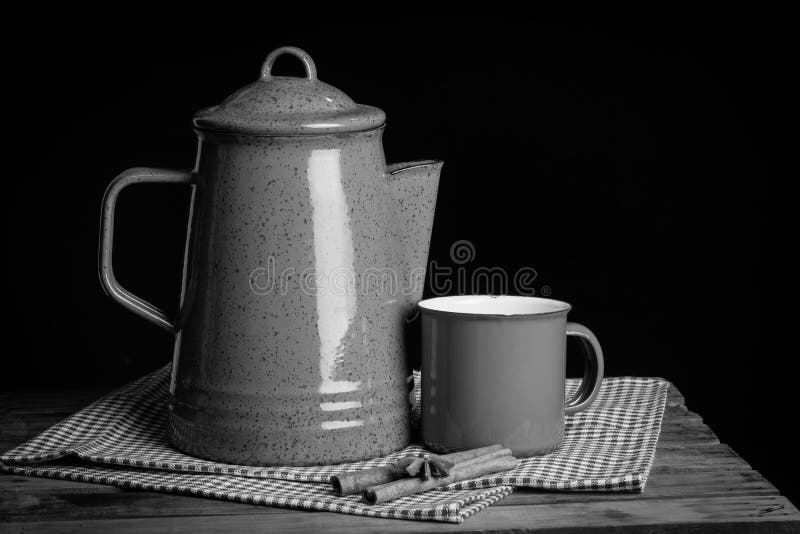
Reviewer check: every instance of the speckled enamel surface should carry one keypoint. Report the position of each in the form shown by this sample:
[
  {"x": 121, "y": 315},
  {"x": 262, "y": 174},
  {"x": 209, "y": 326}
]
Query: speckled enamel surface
[
  {"x": 292, "y": 375},
  {"x": 414, "y": 189},
  {"x": 304, "y": 255},
  {"x": 280, "y": 105}
]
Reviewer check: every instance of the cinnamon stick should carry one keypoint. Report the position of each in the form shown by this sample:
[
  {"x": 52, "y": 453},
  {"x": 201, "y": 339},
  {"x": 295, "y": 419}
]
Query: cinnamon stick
[
  {"x": 355, "y": 482},
  {"x": 358, "y": 481},
  {"x": 461, "y": 456},
  {"x": 494, "y": 462}
]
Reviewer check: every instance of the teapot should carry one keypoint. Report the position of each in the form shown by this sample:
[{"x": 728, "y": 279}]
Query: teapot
[{"x": 305, "y": 252}]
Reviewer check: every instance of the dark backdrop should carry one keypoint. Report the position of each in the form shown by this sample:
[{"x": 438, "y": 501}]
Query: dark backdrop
[{"x": 629, "y": 166}]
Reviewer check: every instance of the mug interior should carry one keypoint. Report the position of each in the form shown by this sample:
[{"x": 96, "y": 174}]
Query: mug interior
[{"x": 502, "y": 305}]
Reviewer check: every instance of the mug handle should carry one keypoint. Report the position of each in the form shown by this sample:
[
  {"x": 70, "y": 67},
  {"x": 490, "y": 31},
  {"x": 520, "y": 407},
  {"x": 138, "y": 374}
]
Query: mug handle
[
  {"x": 593, "y": 374},
  {"x": 107, "y": 279}
]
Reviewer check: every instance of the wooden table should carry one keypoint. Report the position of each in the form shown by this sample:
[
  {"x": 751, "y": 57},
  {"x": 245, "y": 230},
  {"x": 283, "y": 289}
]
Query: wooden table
[{"x": 697, "y": 485}]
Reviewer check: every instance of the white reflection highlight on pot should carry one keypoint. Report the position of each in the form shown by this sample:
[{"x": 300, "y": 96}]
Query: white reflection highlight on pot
[
  {"x": 333, "y": 251},
  {"x": 333, "y": 425},
  {"x": 338, "y": 406}
]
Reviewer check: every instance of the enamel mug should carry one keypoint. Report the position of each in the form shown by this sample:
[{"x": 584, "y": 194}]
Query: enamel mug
[{"x": 494, "y": 371}]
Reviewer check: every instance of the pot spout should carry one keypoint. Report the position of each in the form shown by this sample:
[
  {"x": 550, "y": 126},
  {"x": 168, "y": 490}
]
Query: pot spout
[{"x": 413, "y": 186}]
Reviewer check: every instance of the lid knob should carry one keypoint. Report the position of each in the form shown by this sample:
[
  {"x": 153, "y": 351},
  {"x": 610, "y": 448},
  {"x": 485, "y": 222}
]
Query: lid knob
[{"x": 302, "y": 55}]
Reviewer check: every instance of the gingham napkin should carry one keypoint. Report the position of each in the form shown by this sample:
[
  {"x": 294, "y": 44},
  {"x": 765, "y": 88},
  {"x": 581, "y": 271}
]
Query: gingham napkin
[{"x": 120, "y": 440}]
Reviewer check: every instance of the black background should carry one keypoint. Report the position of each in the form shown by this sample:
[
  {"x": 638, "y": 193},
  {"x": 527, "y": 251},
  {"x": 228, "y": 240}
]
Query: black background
[{"x": 631, "y": 165}]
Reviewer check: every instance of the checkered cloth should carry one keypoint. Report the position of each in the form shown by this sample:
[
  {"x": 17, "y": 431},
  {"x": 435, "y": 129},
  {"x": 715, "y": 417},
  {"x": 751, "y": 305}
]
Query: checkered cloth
[{"x": 120, "y": 440}]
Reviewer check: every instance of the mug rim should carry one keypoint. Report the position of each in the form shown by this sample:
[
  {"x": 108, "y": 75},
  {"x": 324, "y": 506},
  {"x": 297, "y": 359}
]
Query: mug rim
[{"x": 428, "y": 305}]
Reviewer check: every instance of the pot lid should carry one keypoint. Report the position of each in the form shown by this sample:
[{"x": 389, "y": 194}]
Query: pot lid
[{"x": 282, "y": 105}]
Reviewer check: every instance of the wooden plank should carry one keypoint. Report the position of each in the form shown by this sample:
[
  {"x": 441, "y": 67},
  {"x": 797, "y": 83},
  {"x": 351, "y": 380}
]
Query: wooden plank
[
  {"x": 26, "y": 414},
  {"x": 674, "y": 396},
  {"x": 23, "y": 428},
  {"x": 34, "y": 485},
  {"x": 719, "y": 456},
  {"x": 26, "y": 503},
  {"x": 44, "y": 401},
  {"x": 772, "y": 514},
  {"x": 681, "y": 411},
  {"x": 691, "y": 468},
  {"x": 687, "y": 435},
  {"x": 691, "y": 480}
]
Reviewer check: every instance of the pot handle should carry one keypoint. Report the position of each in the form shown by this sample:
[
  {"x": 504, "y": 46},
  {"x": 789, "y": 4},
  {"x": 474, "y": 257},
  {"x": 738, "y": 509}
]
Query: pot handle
[
  {"x": 107, "y": 279},
  {"x": 593, "y": 374}
]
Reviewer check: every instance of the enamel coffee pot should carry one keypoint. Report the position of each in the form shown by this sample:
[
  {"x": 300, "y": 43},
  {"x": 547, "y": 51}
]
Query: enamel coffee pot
[{"x": 304, "y": 253}]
